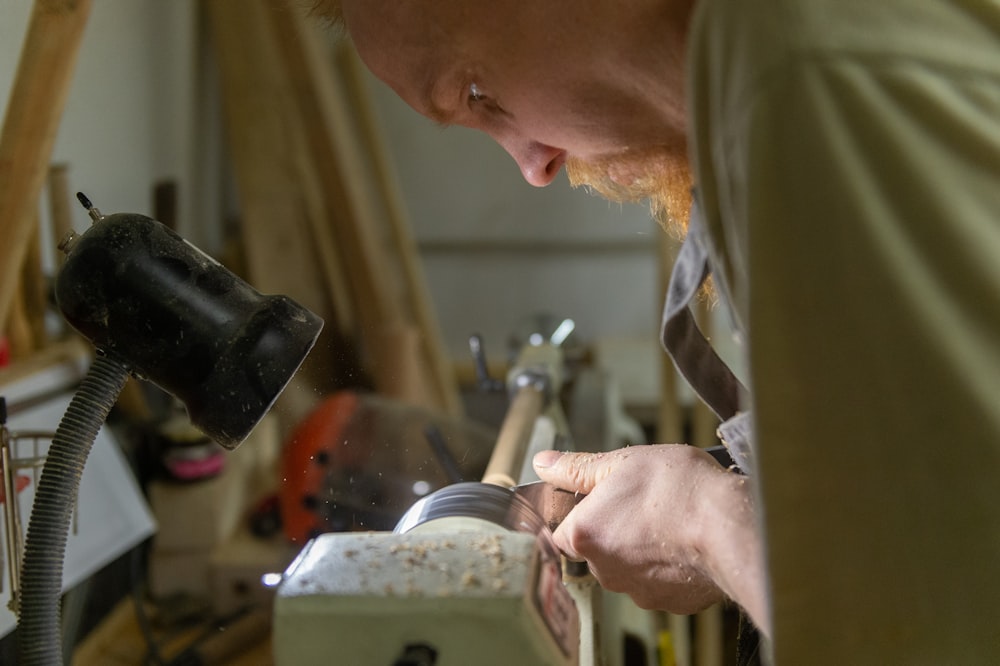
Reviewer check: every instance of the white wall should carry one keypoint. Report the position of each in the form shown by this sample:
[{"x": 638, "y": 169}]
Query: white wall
[
  {"x": 130, "y": 118},
  {"x": 144, "y": 107}
]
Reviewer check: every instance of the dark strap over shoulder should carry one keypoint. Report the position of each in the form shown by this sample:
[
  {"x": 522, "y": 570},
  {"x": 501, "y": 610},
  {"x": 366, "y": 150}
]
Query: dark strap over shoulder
[
  {"x": 692, "y": 354},
  {"x": 710, "y": 378}
]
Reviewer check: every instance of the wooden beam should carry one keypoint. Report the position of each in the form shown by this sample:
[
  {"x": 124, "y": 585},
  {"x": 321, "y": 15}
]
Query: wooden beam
[
  {"x": 670, "y": 419},
  {"x": 708, "y": 624},
  {"x": 59, "y": 202},
  {"x": 407, "y": 359},
  {"x": 334, "y": 154},
  {"x": 266, "y": 148},
  {"x": 26, "y": 318},
  {"x": 431, "y": 340},
  {"x": 262, "y": 146},
  {"x": 37, "y": 99}
]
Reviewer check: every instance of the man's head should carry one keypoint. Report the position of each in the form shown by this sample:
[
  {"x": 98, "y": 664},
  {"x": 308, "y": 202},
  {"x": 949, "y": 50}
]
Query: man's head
[{"x": 597, "y": 87}]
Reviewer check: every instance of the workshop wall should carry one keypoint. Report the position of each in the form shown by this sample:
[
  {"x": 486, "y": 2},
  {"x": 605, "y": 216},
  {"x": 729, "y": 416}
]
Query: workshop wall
[
  {"x": 139, "y": 110},
  {"x": 144, "y": 107}
]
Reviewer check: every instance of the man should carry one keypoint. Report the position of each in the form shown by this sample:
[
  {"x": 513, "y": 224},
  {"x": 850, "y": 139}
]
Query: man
[{"x": 845, "y": 156}]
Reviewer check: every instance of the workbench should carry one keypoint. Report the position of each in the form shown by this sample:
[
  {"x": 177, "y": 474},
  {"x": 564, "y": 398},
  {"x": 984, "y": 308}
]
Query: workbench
[{"x": 118, "y": 641}]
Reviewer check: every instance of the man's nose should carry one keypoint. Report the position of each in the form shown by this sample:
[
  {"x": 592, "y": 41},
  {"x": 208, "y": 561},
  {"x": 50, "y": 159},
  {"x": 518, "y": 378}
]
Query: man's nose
[{"x": 538, "y": 162}]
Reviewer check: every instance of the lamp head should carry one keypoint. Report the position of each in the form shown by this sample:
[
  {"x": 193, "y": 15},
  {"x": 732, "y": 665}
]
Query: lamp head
[{"x": 174, "y": 316}]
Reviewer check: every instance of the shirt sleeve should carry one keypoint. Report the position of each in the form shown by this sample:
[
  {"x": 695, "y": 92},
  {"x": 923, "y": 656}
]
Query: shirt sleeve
[{"x": 861, "y": 200}]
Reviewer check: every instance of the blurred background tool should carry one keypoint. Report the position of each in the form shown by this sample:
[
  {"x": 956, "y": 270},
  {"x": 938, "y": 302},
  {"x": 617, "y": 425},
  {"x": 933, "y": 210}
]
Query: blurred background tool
[
  {"x": 469, "y": 574},
  {"x": 358, "y": 461}
]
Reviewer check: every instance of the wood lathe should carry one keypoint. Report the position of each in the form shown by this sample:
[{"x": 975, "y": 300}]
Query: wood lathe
[{"x": 470, "y": 574}]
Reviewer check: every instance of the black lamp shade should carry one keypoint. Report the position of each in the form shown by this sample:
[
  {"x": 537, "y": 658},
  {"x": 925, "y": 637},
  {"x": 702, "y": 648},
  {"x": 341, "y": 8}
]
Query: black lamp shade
[{"x": 176, "y": 317}]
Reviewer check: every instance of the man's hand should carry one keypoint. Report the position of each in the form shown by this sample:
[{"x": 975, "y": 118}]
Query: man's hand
[{"x": 664, "y": 524}]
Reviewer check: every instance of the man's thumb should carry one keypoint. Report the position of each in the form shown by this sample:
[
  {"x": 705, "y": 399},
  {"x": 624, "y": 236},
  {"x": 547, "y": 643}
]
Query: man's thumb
[{"x": 570, "y": 471}]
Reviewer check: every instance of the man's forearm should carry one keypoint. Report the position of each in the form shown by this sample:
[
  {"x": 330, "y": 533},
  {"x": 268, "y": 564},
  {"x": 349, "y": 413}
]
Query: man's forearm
[{"x": 731, "y": 546}]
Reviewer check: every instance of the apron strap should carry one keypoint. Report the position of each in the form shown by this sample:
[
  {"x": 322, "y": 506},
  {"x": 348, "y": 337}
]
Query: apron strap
[{"x": 692, "y": 354}]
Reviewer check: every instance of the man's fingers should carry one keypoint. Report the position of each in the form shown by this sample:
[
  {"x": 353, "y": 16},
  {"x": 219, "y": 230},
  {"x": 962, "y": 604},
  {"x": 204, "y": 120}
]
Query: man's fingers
[
  {"x": 562, "y": 541},
  {"x": 579, "y": 472}
]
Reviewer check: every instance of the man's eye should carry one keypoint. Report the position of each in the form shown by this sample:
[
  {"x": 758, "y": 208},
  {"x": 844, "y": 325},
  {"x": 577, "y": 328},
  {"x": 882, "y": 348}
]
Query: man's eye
[
  {"x": 475, "y": 94},
  {"x": 481, "y": 102}
]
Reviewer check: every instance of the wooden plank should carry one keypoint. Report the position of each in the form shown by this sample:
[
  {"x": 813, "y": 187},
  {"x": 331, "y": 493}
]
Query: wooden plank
[
  {"x": 68, "y": 351},
  {"x": 387, "y": 310},
  {"x": 262, "y": 147},
  {"x": 670, "y": 430},
  {"x": 670, "y": 420},
  {"x": 19, "y": 340},
  {"x": 26, "y": 316},
  {"x": 405, "y": 247},
  {"x": 268, "y": 149},
  {"x": 331, "y": 262},
  {"x": 59, "y": 201},
  {"x": 265, "y": 147},
  {"x": 334, "y": 153},
  {"x": 41, "y": 85},
  {"x": 708, "y": 624},
  {"x": 33, "y": 288}
]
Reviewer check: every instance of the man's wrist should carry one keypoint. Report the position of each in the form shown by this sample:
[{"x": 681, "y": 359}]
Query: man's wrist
[{"x": 729, "y": 545}]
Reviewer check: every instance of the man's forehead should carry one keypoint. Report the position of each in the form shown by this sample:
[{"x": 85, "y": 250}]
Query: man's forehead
[{"x": 402, "y": 48}]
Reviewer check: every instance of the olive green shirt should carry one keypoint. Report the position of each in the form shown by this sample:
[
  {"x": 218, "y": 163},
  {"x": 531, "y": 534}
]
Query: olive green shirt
[{"x": 848, "y": 164}]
